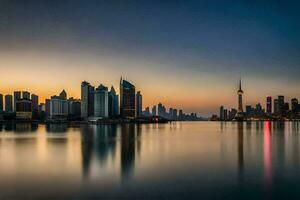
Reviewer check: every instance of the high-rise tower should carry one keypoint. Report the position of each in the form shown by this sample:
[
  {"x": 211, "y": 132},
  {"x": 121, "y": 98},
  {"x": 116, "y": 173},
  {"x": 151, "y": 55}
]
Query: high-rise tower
[{"x": 240, "y": 93}]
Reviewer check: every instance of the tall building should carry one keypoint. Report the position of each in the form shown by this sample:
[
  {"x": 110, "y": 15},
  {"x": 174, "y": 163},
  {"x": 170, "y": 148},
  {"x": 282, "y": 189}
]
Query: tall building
[
  {"x": 154, "y": 110},
  {"x": 225, "y": 114},
  {"x": 101, "y": 101},
  {"x": 63, "y": 95},
  {"x": 25, "y": 95},
  {"x": 139, "y": 104},
  {"x": 47, "y": 107},
  {"x": 127, "y": 99},
  {"x": 240, "y": 93},
  {"x": 17, "y": 96},
  {"x": 58, "y": 107},
  {"x": 113, "y": 103},
  {"x": 180, "y": 115},
  {"x": 87, "y": 100},
  {"x": 8, "y": 103},
  {"x": 281, "y": 105},
  {"x": 24, "y": 108},
  {"x": 74, "y": 108},
  {"x": 174, "y": 115},
  {"x": 295, "y": 105},
  {"x": 222, "y": 113},
  {"x": 147, "y": 112},
  {"x": 1, "y": 102},
  {"x": 269, "y": 105},
  {"x": 35, "y": 106},
  {"x": 159, "y": 109},
  {"x": 170, "y": 115},
  {"x": 276, "y": 107}
]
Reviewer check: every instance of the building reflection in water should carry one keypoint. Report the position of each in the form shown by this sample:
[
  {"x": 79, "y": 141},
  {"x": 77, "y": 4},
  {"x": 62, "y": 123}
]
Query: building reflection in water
[
  {"x": 240, "y": 151},
  {"x": 100, "y": 141},
  {"x": 128, "y": 144},
  {"x": 267, "y": 154},
  {"x": 57, "y": 128},
  {"x": 19, "y": 127},
  {"x": 86, "y": 148}
]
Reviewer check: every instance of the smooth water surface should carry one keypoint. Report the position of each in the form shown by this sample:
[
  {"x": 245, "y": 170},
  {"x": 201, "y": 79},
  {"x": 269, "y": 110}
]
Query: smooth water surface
[{"x": 180, "y": 160}]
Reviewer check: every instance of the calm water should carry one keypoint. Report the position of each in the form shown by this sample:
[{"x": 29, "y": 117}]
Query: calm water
[{"x": 166, "y": 161}]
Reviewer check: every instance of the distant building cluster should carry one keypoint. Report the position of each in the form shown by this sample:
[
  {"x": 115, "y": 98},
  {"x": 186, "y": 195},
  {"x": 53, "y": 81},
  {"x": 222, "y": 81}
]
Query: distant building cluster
[
  {"x": 171, "y": 114},
  {"x": 277, "y": 109}
]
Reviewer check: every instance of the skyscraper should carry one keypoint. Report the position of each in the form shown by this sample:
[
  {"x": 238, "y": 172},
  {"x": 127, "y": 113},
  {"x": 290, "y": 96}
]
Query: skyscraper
[
  {"x": 35, "y": 106},
  {"x": 47, "y": 107},
  {"x": 281, "y": 110},
  {"x": 87, "y": 100},
  {"x": 295, "y": 105},
  {"x": 221, "y": 113},
  {"x": 174, "y": 114},
  {"x": 101, "y": 101},
  {"x": 240, "y": 93},
  {"x": 276, "y": 107},
  {"x": 113, "y": 103},
  {"x": 269, "y": 105},
  {"x": 8, "y": 103},
  {"x": 139, "y": 104},
  {"x": 63, "y": 95},
  {"x": 127, "y": 99},
  {"x": 1, "y": 102},
  {"x": 74, "y": 108},
  {"x": 24, "y": 108},
  {"x": 59, "y": 107},
  {"x": 17, "y": 96},
  {"x": 25, "y": 95},
  {"x": 154, "y": 110}
]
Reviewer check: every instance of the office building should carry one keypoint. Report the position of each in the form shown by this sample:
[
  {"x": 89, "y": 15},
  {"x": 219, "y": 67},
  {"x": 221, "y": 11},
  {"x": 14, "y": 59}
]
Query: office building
[
  {"x": 147, "y": 112},
  {"x": 101, "y": 102},
  {"x": 87, "y": 100},
  {"x": 295, "y": 105},
  {"x": 174, "y": 115},
  {"x": 225, "y": 114},
  {"x": 59, "y": 107},
  {"x": 222, "y": 113},
  {"x": 17, "y": 96},
  {"x": 127, "y": 99},
  {"x": 180, "y": 114},
  {"x": 113, "y": 103},
  {"x": 47, "y": 107},
  {"x": 35, "y": 106},
  {"x": 25, "y": 95},
  {"x": 154, "y": 110},
  {"x": 269, "y": 105},
  {"x": 74, "y": 108},
  {"x": 1, "y": 103},
  {"x": 276, "y": 107},
  {"x": 24, "y": 108},
  {"x": 8, "y": 103},
  {"x": 281, "y": 106},
  {"x": 139, "y": 104},
  {"x": 63, "y": 95}
]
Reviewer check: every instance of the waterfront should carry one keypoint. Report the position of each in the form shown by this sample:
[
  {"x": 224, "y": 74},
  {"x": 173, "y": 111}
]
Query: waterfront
[{"x": 157, "y": 161}]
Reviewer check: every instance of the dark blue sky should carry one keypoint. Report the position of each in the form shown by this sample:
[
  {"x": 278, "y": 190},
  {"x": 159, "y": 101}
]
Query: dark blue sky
[{"x": 255, "y": 39}]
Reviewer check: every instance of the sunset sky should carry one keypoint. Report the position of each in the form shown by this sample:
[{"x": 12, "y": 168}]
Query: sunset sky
[{"x": 185, "y": 54}]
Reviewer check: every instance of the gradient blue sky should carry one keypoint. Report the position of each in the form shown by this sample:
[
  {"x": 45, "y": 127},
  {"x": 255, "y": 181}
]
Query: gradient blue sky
[{"x": 186, "y": 54}]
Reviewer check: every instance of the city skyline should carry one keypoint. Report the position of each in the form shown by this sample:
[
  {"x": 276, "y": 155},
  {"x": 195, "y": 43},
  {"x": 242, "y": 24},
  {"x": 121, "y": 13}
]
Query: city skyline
[
  {"x": 54, "y": 45},
  {"x": 233, "y": 104}
]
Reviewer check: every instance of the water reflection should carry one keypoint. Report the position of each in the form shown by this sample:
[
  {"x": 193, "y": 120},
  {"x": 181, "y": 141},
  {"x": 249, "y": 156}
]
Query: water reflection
[
  {"x": 18, "y": 127},
  {"x": 268, "y": 155},
  {"x": 260, "y": 157},
  {"x": 102, "y": 141},
  {"x": 240, "y": 150}
]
